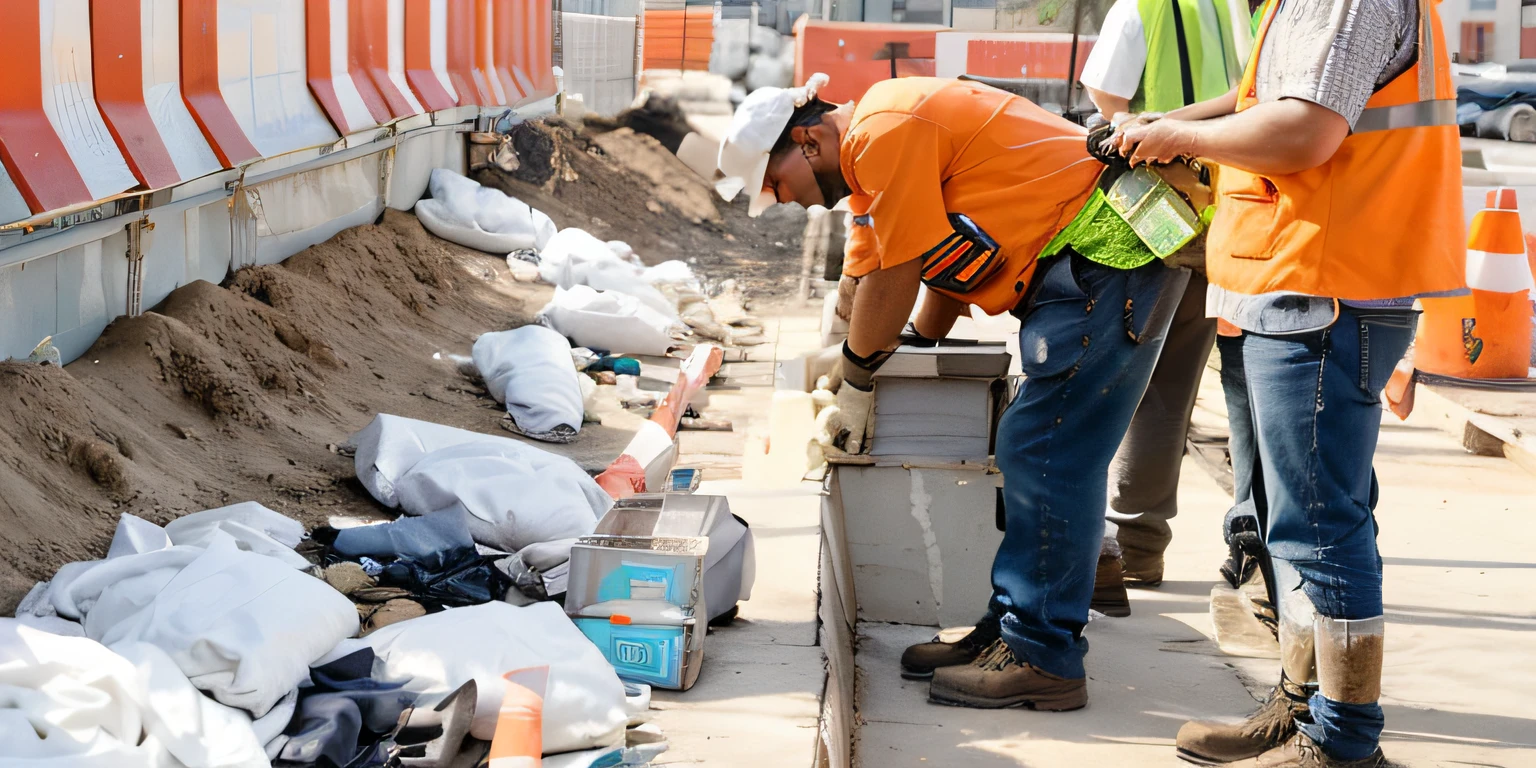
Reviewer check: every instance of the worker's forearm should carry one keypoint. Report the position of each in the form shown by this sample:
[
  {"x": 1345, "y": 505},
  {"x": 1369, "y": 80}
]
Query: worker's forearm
[
  {"x": 1273, "y": 138},
  {"x": 880, "y": 310},
  {"x": 1107, "y": 103},
  {"x": 1224, "y": 104},
  {"x": 937, "y": 315}
]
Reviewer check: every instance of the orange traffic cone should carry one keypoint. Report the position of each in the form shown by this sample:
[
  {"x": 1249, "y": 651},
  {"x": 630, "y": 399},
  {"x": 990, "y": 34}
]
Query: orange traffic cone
[
  {"x": 519, "y": 738},
  {"x": 1487, "y": 334}
]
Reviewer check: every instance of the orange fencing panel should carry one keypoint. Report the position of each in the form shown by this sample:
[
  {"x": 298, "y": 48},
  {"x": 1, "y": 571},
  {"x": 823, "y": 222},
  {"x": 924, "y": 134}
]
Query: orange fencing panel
[
  {"x": 1034, "y": 55},
  {"x": 378, "y": 38},
  {"x": 330, "y": 64},
  {"x": 426, "y": 53},
  {"x": 510, "y": 33},
  {"x": 857, "y": 55},
  {"x": 678, "y": 36}
]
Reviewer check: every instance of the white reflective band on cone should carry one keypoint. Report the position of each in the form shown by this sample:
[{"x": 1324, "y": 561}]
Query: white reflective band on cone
[
  {"x": 1499, "y": 272},
  {"x": 1349, "y": 658}
]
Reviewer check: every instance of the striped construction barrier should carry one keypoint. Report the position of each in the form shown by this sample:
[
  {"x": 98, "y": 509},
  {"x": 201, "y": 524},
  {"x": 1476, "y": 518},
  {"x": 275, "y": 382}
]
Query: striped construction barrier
[
  {"x": 678, "y": 35},
  {"x": 106, "y": 97}
]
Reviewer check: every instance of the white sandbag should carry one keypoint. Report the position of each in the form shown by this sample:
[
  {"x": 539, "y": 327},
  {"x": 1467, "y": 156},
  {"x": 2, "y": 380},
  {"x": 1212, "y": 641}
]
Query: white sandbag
[
  {"x": 616, "y": 322},
  {"x": 254, "y": 528},
  {"x": 390, "y": 445},
  {"x": 515, "y": 494},
  {"x": 70, "y": 702},
  {"x": 529, "y": 370},
  {"x": 627, "y": 279},
  {"x": 437, "y": 218},
  {"x": 671, "y": 271},
  {"x": 462, "y": 211},
  {"x": 243, "y": 627},
  {"x": 568, "y": 249},
  {"x": 584, "y": 705}
]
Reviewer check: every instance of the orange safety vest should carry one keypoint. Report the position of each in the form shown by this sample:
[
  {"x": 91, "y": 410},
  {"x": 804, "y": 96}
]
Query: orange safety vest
[{"x": 1381, "y": 219}]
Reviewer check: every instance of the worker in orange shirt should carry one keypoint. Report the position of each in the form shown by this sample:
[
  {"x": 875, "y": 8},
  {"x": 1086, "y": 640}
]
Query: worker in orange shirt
[
  {"x": 991, "y": 201},
  {"x": 1339, "y": 203}
]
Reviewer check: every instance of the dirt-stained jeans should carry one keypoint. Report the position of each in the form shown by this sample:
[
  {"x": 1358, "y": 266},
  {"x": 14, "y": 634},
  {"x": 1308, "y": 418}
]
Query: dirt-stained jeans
[
  {"x": 1315, "y": 400},
  {"x": 1089, "y": 339}
]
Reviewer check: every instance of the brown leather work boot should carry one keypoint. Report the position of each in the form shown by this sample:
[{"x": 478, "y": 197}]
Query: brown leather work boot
[
  {"x": 1109, "y": 597},
  {"x": 997, "y": 679},
  {"x": 1204, "y": 742},
  {"x": 1301, "y": 752},
  {"x": 919, "y": 661},
  {"x": 1142, "y": 569}
]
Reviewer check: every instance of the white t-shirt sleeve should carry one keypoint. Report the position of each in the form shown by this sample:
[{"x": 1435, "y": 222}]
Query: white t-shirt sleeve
[{"x": 1118, "y": 58}]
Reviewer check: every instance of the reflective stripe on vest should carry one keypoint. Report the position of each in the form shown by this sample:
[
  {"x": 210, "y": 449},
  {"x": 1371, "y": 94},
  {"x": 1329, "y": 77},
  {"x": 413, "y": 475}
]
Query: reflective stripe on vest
[{"x": 1419, "y": 114}]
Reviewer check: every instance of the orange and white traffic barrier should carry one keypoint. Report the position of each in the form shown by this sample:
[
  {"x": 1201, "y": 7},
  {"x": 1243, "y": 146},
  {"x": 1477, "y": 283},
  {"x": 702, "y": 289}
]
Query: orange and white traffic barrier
[
  {"x": 469, "y": 81},
  {"x": 135, "y": 55},
  {"x": 534, "y": 52},
  {"x": 647, "y": 460},
  {"x": 1034, "y": 55},
  {"x": 519, "y": 738},
  {"x": 426, "y": 53},
  {"x": 336, "y": 77},
  {"x": 378, "y": 38},
  {"x": 200, "y": 84},
  {"x": 53, "y": 141},
  {"x": 1486, "y": 334}
]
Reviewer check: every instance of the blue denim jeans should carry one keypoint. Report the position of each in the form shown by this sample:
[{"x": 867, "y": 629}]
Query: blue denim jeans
[
  {"x": 1315, "y": 403},
  {"x": 1089, "y": 339}
]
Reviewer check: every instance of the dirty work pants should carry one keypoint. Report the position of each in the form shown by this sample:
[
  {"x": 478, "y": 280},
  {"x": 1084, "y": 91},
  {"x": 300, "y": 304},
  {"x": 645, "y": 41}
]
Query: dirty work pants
[
  {"x": 1084, "y": 375},
  {"x": 1144, "y": 476},
  {"x": 1315, "y": 403}
]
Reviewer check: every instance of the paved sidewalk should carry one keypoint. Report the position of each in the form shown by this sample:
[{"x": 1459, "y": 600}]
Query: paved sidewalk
[
  {"x": 1458, "y": 536},
  {"x": 759, "y": 696}
]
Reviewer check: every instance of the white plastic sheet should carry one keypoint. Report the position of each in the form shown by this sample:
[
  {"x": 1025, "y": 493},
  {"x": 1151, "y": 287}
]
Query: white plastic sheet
[
  {"x": 616, "y": 322},
  {"x": 433, "y": 655},
  {"x": 242, "y": 626},
  {"x": 529, "y": 369},
  {"x": 69, "y": 702},
  {"x": 461, "y": 211},
  {"x": 515, "y": 494}
]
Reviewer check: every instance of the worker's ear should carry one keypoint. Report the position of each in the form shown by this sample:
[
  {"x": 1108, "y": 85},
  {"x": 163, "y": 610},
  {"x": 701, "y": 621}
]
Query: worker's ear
[{"x": 806, "y": 139}]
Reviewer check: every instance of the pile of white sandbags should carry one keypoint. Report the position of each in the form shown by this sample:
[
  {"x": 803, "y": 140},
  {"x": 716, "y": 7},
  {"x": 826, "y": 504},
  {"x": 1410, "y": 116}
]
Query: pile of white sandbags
[{"x": 461, "y": 211}]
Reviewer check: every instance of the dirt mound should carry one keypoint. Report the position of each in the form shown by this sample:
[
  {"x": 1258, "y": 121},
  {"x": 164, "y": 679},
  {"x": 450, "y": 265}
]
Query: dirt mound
[
  {"x": 622, "y": 185},
  {"x": 222, "y": 394},
  {"x": 660, "y": 117}
]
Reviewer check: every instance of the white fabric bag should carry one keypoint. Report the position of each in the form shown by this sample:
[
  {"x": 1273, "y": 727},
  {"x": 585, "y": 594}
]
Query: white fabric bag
[
  {"x": 461, "y": 211},
  {"x": 575, "y": 257},
  {"x": 584, "y": 705},
  {"x": 529, "y": 369},
  {"x": 68, "y": 702},
  {"x": 242, "y": 626},
  {"x": 390, "y": 445},
  {"x": 514, "y": 494},
  {"x": 616, "y": 322}
]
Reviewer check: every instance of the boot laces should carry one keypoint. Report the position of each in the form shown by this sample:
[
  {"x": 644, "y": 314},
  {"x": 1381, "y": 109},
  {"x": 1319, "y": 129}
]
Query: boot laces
[
  {"x": 996, "y": 657},
  {"x": 1276, "y": 719}
]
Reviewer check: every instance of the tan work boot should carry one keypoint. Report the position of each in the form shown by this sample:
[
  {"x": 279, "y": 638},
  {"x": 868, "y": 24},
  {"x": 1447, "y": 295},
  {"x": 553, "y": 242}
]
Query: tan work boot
[
  {"x": 997, "y": 679},
  {"x": 1142, "y": 569},
  {"x": 1204, "y": 742},
  {"x": 1109, "y": 597},
  {"x": 919, "y": 661},
  {"x": 1301, "y": 752}
]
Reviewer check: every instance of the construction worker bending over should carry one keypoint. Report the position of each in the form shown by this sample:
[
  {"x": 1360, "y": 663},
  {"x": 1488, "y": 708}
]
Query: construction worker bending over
[
  {"x": 1157, "y": 56},
  {"x": 989, "y": 200},
  {"x": 1339, "y": 201}
]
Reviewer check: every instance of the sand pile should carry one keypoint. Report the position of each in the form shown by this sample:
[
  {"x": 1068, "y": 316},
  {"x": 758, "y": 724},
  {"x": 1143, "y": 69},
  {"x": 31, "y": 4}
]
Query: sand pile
[{"x": 623, "y": 185}]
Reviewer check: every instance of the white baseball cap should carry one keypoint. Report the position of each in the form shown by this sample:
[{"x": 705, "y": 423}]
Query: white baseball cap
[{"x": 755, "y": 128}]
